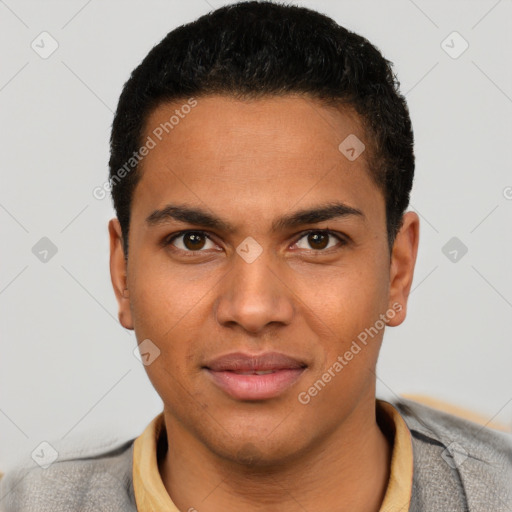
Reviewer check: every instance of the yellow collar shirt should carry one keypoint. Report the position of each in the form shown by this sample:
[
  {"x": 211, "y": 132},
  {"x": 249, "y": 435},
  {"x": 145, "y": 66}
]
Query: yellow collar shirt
[{"x": 151, "y": 494}]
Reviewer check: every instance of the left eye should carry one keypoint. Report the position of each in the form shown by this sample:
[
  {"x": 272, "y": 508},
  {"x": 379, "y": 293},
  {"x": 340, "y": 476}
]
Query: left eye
[{"x": 319, "y": 240}]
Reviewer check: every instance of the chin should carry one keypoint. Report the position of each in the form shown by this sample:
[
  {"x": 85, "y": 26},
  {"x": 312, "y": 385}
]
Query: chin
[{"x": 255, "y": 452}]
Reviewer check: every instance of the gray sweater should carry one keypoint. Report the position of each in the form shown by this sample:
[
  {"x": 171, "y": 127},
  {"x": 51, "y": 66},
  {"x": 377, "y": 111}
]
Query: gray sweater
[{"x": 459, "y": 466}]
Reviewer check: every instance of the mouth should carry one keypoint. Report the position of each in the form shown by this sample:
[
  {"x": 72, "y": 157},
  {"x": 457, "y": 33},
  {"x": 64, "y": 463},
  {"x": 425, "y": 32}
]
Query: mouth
[{"x": 255, "y": 377}]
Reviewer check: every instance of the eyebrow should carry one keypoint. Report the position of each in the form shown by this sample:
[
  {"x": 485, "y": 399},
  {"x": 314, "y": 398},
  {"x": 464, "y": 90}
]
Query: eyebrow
[{"x": 202, "y": 218}]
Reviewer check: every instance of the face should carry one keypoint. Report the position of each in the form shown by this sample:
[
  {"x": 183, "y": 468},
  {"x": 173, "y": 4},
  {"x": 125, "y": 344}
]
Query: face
[{"x": 259, "y": 267}]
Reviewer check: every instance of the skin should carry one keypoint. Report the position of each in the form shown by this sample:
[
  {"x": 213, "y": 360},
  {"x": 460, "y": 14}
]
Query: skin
[{"x": 250, "y": 163}]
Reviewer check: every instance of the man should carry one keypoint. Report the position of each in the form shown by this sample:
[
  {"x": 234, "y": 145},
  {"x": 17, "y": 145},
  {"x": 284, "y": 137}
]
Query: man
[{"x": 261, "y": 166}]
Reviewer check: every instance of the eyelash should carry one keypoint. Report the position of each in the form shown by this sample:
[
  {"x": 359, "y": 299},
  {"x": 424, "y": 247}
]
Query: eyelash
[{"x": 168, "y": 240}]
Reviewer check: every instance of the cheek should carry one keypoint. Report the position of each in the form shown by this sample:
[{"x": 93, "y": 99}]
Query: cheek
[
  {"x": 173, "y": 373},
  {"x": 170, "y": 321},
  {"x": 341, "y": 303},
  {"x": 350, "y": 330},
  {"x": 163, "y": 299}
]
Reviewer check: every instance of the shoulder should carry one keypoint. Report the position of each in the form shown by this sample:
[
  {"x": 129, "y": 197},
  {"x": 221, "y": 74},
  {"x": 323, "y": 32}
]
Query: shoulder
[
  {"x": 476, "y": 461},
  {"x": 446, "y": 427},
  {"x": 73, "y": 477}
]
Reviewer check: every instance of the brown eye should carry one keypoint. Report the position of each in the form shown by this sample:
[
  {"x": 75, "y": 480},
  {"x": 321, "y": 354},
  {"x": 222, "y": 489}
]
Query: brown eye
[
  {"x": 193, "y": 241},
  {"x": 319, "y": 240},
  {"x": 190, "y": 241}
]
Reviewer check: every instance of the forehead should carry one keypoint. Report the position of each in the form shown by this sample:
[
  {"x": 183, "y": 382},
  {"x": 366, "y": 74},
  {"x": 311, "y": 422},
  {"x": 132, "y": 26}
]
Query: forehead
[
  {"x": 282, "y": 125},
  {"x": 273, "y": 151}
]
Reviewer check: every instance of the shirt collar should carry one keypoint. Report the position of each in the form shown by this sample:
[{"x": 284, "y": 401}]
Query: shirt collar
[{"x": 151, "y": 494}]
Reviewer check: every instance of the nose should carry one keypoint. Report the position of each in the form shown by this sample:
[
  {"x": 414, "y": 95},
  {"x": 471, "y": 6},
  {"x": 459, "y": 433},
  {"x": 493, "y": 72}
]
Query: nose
[{"x": 254, "y": 296}]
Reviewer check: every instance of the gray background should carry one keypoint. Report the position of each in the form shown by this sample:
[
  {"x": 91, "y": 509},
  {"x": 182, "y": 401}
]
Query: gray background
[{"x": 67, "y": 368}]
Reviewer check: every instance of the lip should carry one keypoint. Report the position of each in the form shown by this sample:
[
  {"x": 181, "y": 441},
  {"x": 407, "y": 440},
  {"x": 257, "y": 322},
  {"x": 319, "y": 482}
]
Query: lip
[{"x": 236, "y": 375}]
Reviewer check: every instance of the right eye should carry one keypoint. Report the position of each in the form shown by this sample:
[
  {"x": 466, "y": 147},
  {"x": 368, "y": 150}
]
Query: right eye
[{"x": 189, "y": 241}]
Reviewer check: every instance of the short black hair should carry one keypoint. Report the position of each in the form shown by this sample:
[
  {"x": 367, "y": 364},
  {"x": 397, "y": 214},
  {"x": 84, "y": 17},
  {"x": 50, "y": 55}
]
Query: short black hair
[{"x": 260, "y": 48}]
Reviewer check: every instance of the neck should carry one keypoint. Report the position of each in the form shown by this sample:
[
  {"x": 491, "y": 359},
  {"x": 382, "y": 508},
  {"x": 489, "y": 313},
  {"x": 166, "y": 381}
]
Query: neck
[{"x": 347, "y": 471}]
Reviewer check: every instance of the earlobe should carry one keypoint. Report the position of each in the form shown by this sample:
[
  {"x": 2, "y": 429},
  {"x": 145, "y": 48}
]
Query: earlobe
[
  {"x": 118, "y": 273},
  {"x": 403, "y": 261}
]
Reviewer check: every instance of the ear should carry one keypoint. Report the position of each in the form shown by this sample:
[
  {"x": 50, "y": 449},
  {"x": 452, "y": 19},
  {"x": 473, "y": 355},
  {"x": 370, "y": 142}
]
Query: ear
[
  {"x": 403, "y": 260},
  {"x": 118, "y": 273}
]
